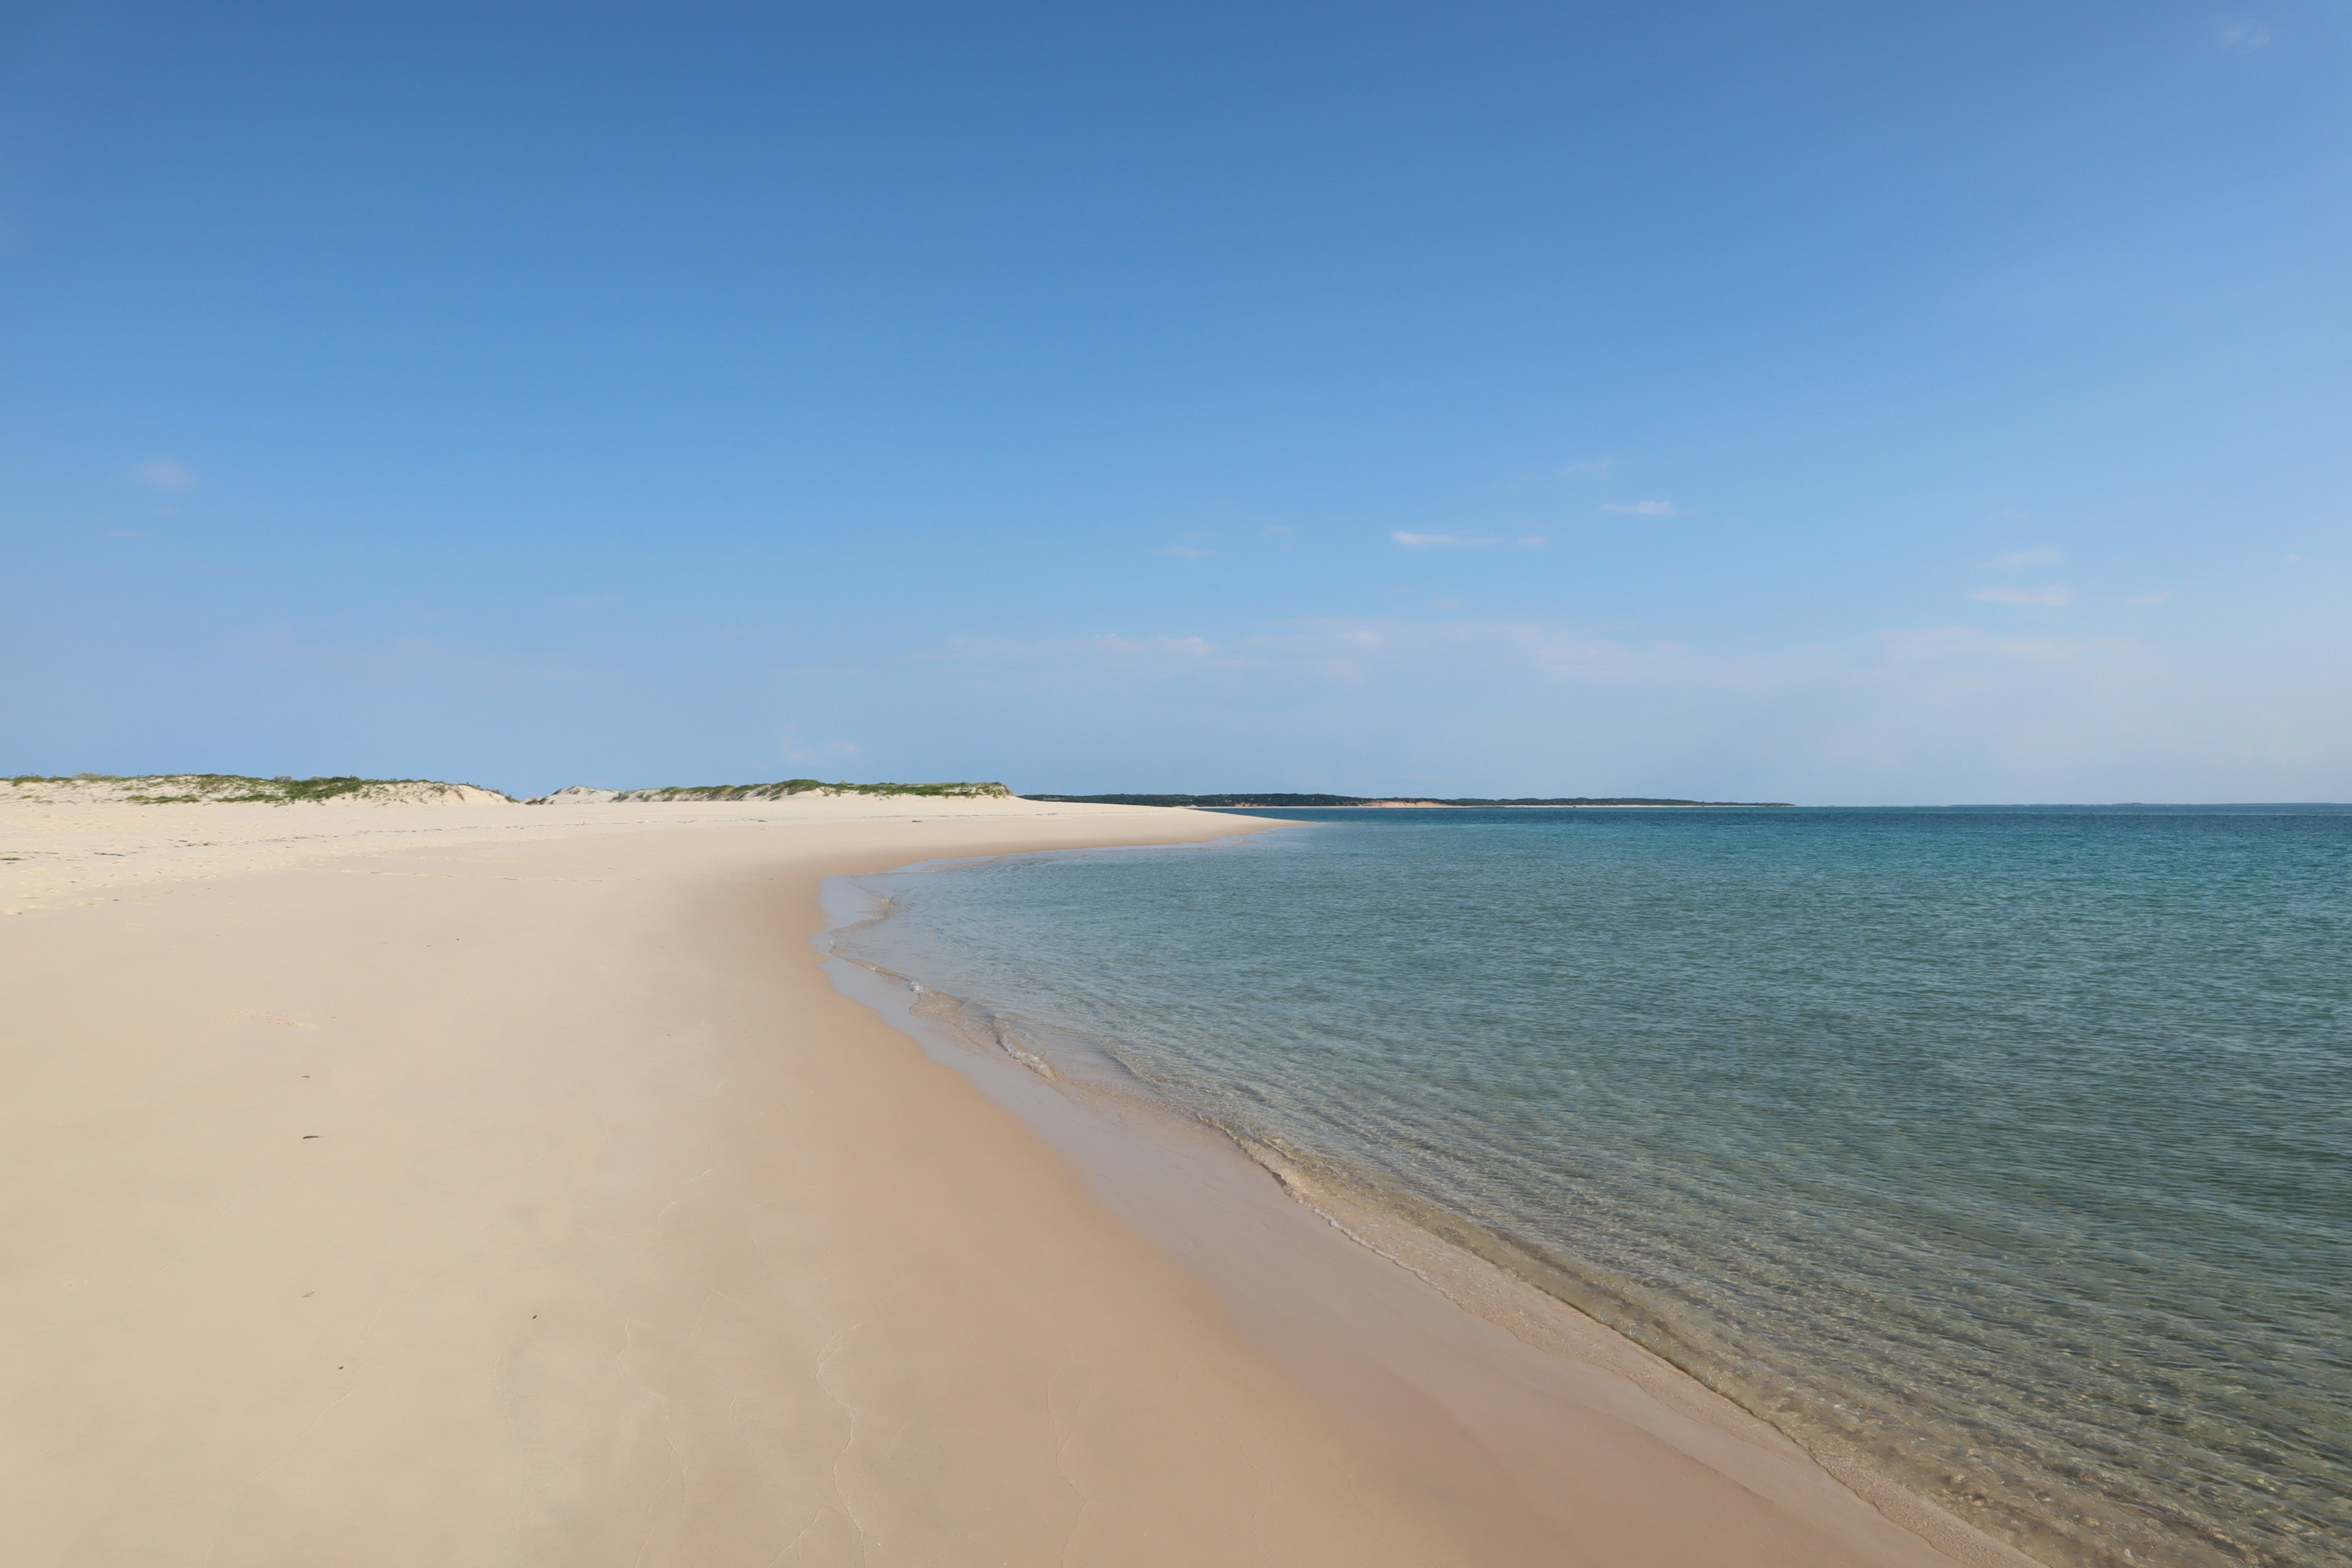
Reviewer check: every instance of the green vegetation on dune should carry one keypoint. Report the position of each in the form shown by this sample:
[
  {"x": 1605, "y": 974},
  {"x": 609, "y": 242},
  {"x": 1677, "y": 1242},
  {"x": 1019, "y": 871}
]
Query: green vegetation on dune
[
  {"x": 240, "y": 789},
  {"x": 784, "y": 788}
]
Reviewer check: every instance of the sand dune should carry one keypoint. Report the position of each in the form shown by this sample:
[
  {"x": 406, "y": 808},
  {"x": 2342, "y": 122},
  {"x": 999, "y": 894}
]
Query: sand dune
[{"x": 229, "y": 789}]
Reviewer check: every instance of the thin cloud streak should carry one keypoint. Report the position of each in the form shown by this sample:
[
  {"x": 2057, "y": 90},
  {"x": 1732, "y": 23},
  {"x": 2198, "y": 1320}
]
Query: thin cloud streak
[
  {"x": 1542, "y": 706},
  {"x": 1355, "y": 650},
  {"x": 2053, "y": 597},
  {"x": 1459, "y": 541},
  {"x": 165, "y": 476}
]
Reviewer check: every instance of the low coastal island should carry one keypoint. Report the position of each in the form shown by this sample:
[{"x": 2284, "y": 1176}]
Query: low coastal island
[
  {"x": 1278, "y": 802},
  {"x": 400, "y": 1173}
]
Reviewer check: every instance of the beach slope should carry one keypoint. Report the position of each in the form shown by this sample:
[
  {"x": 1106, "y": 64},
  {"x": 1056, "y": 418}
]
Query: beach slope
[{"x": 506, "y": 1185}]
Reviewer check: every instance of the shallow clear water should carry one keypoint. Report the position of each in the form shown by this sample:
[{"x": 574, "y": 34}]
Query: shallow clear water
[{"x": 2008, "y": 1149}]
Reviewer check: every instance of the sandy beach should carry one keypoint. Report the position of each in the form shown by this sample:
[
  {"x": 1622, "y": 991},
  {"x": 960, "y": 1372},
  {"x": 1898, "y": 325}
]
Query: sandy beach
[{"x": 499, "y": 1185}]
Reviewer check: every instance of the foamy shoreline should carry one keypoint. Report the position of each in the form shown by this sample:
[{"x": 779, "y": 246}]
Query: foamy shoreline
[{"x": 482, "y": 1184}]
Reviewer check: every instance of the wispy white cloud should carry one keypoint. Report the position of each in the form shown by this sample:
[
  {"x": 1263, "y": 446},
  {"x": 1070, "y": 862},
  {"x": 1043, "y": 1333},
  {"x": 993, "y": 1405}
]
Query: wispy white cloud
[
  {"x": 1544, "y": 707},
  {"x": 2152, "y": 598},
  {"x": 2049, "y": 599},
  {"x": 1642, "y": 508},
  {"x": 2018, "y": 559},
  {"x": 165, "y": 476},
  {"x": 1466, "y": 542},
  {"x": 1352, "y": 653},
  {"x": 792, "y": 749},
  {"x": 2243, "y": 37},
  {"x": 415, "y": 662},
  {"x": 1967, "y": 642},
  {"x": 1188, "y": 551}
]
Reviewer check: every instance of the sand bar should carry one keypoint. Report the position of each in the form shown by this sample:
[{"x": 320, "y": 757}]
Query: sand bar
[{"x": 494, "y": 1185}]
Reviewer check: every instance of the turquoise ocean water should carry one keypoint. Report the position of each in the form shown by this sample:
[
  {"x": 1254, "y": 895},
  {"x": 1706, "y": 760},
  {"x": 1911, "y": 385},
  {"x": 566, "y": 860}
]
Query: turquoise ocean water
[{"x": 2009, "y": 1151}]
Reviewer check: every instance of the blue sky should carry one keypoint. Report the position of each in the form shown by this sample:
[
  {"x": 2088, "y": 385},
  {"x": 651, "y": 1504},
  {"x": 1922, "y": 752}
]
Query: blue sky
[{"x": 1839, "y": 402}]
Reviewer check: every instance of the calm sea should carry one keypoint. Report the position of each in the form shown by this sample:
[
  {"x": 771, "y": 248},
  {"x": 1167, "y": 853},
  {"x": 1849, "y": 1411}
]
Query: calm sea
[{"x": 2007, "y": 1149}]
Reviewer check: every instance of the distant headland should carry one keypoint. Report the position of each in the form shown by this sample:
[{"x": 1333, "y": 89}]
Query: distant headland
[{"x": 1281, "y": 802}]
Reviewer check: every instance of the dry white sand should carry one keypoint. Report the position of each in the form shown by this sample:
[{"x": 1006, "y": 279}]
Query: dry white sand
[{"x": 502, "y": 1184}]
